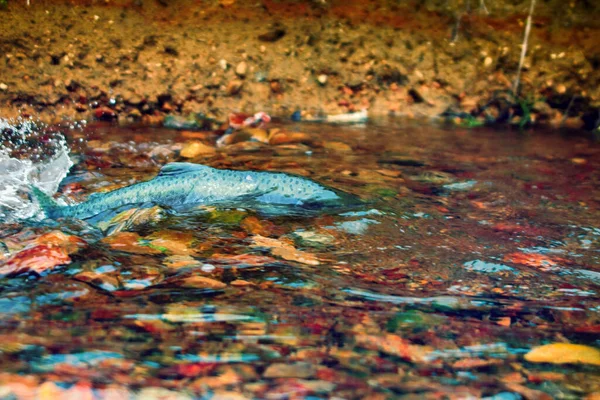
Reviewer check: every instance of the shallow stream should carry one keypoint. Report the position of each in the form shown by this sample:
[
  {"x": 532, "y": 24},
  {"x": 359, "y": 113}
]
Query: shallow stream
[{"x": 473, "y": 247}]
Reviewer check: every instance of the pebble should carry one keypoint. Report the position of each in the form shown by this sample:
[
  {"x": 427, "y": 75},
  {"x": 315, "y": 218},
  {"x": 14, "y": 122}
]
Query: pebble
[
  {"x": 194, "y": 149},
  {"x": 105, "y": 114},
  {"x": 3, "y": 86},
  {"x": 317, "y": 386},
  {"x": 297, "y": 370},
  {"x": 234, "y": 87},
  {"x": 279, "y": 138},
  {"x": 49, "y": 390},
  {"x": 224, "y": 395},
  {"x": 207, "y": 267},
  {"x": 322, "y": 79},
  {"x": 241, "y": 69},
  {"x": 134, "y": 114},
  {"x": 240, "y": 283},
  {"x": 272, "y": 35},
  {"x": 357, "y": 227},
  {"x": 314, "y": 239},
  {"x": 338, "y": 147},
  {"x": 156, "y": 393},
  {"x": 223, "y": 64},
  {"x": 202, "y": 282},
  {"x": 181, "y": 261},
  {"x": 105, "y": 282},
  {"x": 275, "y": 87}
]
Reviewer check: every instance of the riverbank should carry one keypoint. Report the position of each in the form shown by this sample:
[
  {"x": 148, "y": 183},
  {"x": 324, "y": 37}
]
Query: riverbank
[{"x": 141, "y": 60}]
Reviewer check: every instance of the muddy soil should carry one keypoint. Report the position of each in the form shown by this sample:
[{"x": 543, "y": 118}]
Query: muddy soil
[{"x": 133, "y": 60}]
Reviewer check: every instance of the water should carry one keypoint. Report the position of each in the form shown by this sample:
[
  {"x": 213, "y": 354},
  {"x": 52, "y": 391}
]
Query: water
[
  {"x": 473, "y": 247},
  {"x": 30, "y": 154}
]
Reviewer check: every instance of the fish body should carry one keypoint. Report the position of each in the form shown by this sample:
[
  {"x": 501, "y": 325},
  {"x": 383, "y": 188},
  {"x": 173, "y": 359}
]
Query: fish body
[{"x": 185, "y": 185}]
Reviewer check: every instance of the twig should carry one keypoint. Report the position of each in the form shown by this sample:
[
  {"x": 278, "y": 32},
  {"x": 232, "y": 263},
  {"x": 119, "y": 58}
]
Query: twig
[
  {"x": 458, "y": 19},
  {"x": 566, "y": 114},
  {"x": 483, "y": 7},
  {"x": 456, "y": 29},
  {"x": 524, "y": 48}
]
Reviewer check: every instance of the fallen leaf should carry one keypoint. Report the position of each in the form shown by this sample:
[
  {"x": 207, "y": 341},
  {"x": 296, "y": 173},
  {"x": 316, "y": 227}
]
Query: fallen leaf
[
  {"x": 35, "y": 259},
  {"x": 103, "y": 281},
  {"x": 394, "y": 345},
  {"x": 545, "y": 376},
  {"x": 195, "y": 135},
  {"x": 222, "y": 379},
  {"x": 192, "y": 370},
  {"x": 564, "y": 353},
  {"x": 171, "y": 246},
  {"x": 531, "y": 260},
  {"x": 70, "y": 243},
  {"x": 131, "y": 218},
  {"x": 285, "y": 250},
  {"x": 295, "y": 370},
  {"x": 181, "y": 261},
  {"x": 195, "y": 149},
  {"x": 153, "y": 326},
  {"x": 129, "y": 242},
  {"x": 258, "y": 134},
  {"x": 201, "y": 282},
  {"x": 49, "y": 391},
  {"x": 79, "y": 391},
  {"x": 115, "y": 393},
  {"x": 475, "y": 363},
  {"x": 278, "y": 138},
  {"x": 255, "y": 226},
  {"x": 529, "y": 394},
  {"x": 250, "y": 260},
  {"x": 241, "y": 283},
  {"x": 391, "y": 173},
  {"x": 338, "y": 147}
]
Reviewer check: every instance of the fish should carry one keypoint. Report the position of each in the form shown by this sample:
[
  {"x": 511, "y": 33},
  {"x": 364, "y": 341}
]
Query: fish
[{"x": 183, "y": 186}]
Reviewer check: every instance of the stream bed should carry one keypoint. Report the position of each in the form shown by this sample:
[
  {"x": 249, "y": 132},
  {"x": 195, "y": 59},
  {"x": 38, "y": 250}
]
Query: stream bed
[{"x": 473, "y": 247}]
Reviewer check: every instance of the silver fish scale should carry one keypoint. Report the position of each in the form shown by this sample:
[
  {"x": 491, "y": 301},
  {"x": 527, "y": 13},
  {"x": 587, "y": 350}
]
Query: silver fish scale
[{"x": 183, "y": 184}]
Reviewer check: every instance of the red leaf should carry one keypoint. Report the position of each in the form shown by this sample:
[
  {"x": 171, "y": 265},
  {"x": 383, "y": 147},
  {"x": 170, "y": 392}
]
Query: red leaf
[{"x": 35, "y": 259}]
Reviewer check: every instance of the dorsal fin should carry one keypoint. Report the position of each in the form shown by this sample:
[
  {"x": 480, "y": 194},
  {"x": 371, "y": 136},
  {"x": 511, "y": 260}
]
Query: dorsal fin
[{"x": 182, "y": 168}]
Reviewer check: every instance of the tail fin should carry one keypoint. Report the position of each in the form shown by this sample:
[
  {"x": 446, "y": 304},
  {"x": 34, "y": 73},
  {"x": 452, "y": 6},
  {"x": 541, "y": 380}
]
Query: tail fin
[{"x": 50, "y": 207}]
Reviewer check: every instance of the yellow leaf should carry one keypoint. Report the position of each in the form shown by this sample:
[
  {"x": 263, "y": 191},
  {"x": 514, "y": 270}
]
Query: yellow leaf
[
  {"x": 194, "y": 149},
  {"x": 564, "y": 353}
]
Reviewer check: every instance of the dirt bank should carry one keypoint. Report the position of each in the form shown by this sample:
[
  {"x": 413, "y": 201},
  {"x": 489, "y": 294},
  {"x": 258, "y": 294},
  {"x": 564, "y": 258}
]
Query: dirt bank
[{"x": 140, "y": 60}]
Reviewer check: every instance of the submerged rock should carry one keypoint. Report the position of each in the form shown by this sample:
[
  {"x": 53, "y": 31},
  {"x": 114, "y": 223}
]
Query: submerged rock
[{"x": 296, "y": 370}]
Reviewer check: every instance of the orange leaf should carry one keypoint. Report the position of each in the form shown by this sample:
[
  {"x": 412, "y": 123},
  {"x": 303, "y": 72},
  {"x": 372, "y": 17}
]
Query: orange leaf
[
  {"x": 69, "y": 243},
  {"x": 247, "y": 259},
  {"x": 395, "y": 345},
  {"x": 530, "y": 259}
]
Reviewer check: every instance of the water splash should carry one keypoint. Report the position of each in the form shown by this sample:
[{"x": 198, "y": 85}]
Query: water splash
[{"x": 30, "y": 153}]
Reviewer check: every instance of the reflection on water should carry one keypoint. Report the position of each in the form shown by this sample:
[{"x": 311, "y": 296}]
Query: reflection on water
[{"x": 472, "y": 248}]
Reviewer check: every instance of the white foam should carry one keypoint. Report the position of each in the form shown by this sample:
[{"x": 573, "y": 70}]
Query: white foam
[{"x": 18, "y": 174}]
